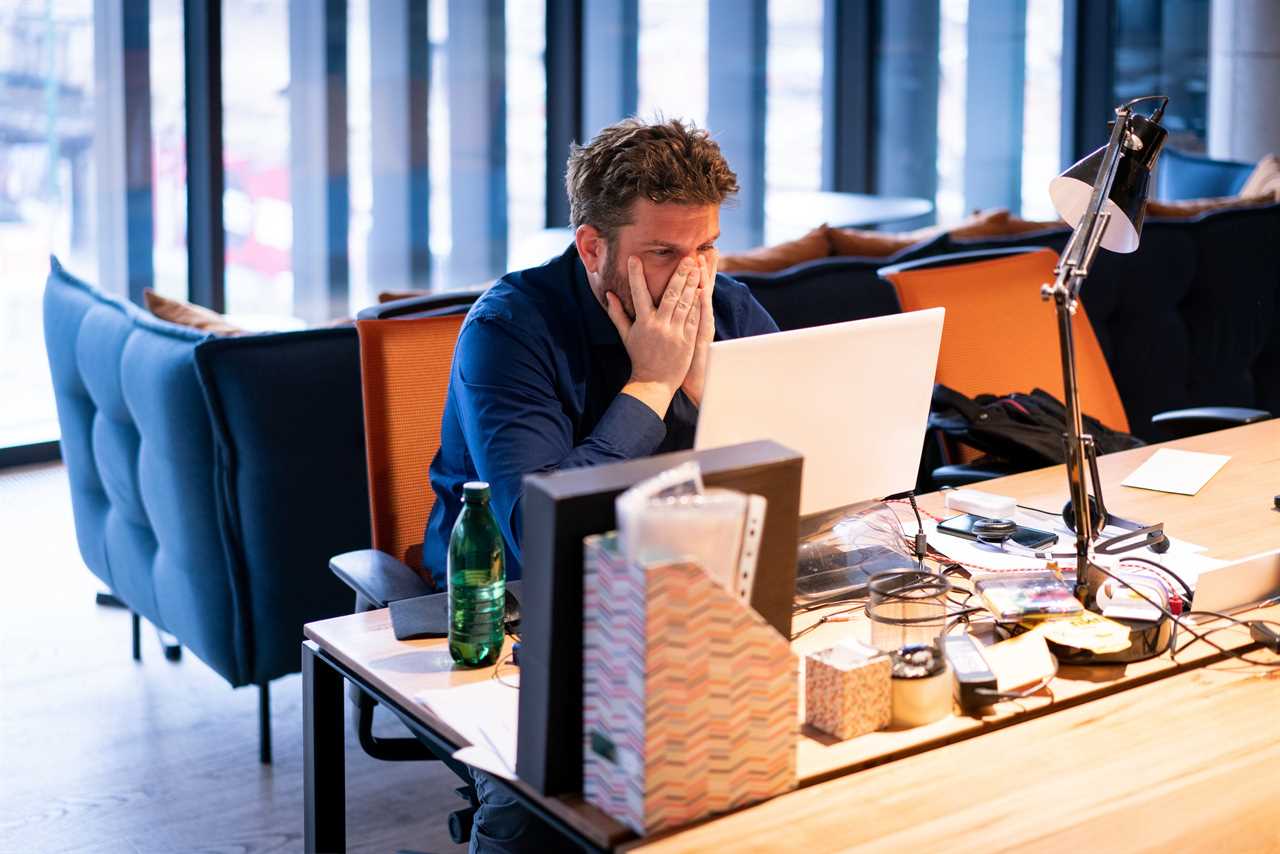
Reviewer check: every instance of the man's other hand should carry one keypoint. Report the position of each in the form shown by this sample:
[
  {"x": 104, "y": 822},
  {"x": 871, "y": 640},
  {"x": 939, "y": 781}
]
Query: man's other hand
[
  {"x": 662, "y": 338},
  {"x": 696, "y": 378}
]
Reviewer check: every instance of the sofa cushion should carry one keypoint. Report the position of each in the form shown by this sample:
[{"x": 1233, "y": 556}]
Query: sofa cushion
[{"x": 1264, "y": 180}]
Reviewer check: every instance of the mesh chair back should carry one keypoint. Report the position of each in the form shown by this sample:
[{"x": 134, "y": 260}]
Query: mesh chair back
[
  {"x": 404, "y": 368},
  {"x": 1000, "y": 336}
]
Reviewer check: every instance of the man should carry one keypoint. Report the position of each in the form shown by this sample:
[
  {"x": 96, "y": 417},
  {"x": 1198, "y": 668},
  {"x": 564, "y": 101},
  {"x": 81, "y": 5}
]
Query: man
[{"x": 597, "y": 356}]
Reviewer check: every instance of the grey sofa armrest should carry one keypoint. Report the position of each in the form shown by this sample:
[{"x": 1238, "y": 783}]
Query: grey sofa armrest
[
  {"x": 1202, "y": 419},
  {"x": 378, "y": 577}
]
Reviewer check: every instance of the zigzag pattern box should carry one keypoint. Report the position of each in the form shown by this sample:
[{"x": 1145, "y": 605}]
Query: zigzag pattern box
[{"x": 689, "y": 696}]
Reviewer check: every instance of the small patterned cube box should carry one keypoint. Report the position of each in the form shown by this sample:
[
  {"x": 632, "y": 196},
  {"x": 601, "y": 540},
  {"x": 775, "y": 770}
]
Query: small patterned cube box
[{"x": 847, "y": 690}]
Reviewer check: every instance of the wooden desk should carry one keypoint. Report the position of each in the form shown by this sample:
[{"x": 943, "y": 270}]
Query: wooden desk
[{"x": 1232, "y": 516}]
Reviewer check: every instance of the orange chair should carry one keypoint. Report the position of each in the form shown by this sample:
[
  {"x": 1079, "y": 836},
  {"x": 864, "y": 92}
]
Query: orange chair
[
  {"x": 404, "y": 371},
  {"x": 405, "y": 365},
  {"x": 999, "y": 335}
]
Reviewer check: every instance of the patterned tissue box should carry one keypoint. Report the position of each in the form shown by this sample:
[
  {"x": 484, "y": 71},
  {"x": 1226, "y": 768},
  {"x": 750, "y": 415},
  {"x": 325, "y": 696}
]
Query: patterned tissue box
[{"x": 847, "y": 690}]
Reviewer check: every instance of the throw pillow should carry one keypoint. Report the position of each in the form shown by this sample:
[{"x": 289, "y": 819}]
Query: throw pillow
[
  {"x": 858, "y": 243},
  {"x": 392, "y": 296},
  {"x": 999, "y": 223},
  {"x": 188, "y": 314},
  {"x": 770, "y": 259},
  {"x": 1264, "y": 180}
]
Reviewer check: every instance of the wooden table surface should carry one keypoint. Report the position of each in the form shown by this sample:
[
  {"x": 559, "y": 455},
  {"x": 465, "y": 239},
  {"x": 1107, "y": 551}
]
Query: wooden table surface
[{"x": 1232, "y": 516}]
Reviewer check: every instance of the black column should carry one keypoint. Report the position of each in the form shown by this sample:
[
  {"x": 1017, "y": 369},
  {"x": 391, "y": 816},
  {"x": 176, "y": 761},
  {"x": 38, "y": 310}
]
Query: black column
[
  {"x": 564, "y": 100},
  {"x": 206, "y": 239},
  {"x": 847, "y": 95},
  {"x": 1088, "y": 75}
]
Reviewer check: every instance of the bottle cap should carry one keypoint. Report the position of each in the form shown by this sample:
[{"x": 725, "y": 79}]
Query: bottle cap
[{"x": 475, "y": 490}]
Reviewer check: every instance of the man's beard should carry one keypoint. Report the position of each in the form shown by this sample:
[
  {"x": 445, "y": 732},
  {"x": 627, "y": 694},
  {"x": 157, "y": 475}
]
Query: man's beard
[{"x": 613, "y": 278}]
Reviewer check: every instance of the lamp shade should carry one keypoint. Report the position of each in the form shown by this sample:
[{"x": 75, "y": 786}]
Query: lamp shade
[{"x": 1127, "y": 201}]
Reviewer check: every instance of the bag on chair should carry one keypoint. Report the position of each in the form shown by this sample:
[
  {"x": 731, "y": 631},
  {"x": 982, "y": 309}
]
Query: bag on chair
[{"x": 1023, "y": 429}]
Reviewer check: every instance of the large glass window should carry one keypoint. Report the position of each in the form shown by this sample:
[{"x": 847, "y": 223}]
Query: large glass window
[
  {"x": 168, "y": 148},
  {"x": 953, "y": 69},
  {"x": 257, "y": 211},
  {"x": 526, "y": 28},
  {"x": 672, "y": 60},
  {"x": 1042, "y": 107},
  {"x": 46, "y": 191},
  {"x": 1162, "y": 47},
  {"x": 438, "y": 144},
  {"x": 793, "y": 123}
]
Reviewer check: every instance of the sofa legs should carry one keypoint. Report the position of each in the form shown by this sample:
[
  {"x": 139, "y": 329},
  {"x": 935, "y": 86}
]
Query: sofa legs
[
  {"x": 137, "y": 637},
  {"x": 264, "y": 723}
]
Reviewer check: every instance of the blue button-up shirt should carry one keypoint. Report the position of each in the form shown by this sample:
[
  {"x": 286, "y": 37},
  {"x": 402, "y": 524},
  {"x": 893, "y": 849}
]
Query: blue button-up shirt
[{"x": 536, "y": 386}]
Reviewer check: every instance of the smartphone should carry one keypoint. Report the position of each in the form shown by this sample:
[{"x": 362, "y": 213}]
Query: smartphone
[{"x": 1029, "y": 538}]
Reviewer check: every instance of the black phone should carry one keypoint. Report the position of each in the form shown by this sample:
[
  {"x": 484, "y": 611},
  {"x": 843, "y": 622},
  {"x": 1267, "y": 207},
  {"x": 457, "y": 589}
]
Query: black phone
[{"x": 1029, "y": 538}]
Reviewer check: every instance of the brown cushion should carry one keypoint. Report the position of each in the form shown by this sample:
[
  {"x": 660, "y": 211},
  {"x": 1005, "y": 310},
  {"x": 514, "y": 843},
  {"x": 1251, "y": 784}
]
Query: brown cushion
[
  {"x": 1264, "y": 180},
  {"x": 857, "y": 243},
  {"x": 1194, "y": 207},
  {"x": 999, "y": 223},
  {"x": 769, "y": 259},
  {"x": 184, "y": 313},
  {"x": 392, "y": 296}
]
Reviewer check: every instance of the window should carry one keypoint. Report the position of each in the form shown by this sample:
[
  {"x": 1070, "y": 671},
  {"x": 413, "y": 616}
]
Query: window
[
  {"x": 47, "y": 183},
  {"x": 793, "y": 124},
  {"x": 672, "y": 60},
  {"x": 526, "y": 101},
  {"x": 256, "y": 207},
  {"x": 1042, "y": 108},
  {"x": 168, "y": 148},
  {"x": 1163, "y": 48}
]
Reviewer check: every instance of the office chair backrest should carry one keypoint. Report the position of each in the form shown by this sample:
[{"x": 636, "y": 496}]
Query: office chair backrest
[
  {"x": 404, "y": 368},
  {"x": 1000, "y": 336}
]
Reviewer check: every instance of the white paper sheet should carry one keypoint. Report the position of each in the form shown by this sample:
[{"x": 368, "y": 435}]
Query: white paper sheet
[
  {"x": 1180, "y": 472},
  {"x": 485, "y": 713}
]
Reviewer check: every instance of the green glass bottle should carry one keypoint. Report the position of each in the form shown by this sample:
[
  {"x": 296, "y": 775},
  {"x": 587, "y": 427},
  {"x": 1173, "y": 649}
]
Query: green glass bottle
[{"x": 477, "y": 581}]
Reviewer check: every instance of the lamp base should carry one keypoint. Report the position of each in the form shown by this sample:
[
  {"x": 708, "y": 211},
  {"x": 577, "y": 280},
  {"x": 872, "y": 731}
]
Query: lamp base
[{"x": 1147, "y": 639}]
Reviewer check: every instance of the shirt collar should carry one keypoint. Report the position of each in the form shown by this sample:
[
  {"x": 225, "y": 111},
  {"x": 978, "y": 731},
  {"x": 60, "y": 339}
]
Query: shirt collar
[{"x": 600, "y": 329}]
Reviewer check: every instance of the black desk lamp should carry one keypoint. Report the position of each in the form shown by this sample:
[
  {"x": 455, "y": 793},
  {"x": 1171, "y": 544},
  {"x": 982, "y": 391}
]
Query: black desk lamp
[{"x": 1103, "y": 197}]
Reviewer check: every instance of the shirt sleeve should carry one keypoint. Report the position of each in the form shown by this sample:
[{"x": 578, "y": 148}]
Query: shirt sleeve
[{"x": 514, "y": 423}]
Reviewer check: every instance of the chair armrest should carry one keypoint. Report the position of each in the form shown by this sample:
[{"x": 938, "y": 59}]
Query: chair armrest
[
  {"x": 964, "y": 474},
  {"x": 1202, "y": 419},
  {"x": 378, "y": 577}
]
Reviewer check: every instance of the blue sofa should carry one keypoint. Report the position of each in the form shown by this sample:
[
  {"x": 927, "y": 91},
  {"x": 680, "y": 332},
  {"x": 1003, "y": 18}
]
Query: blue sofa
[{"x": 211, "y": 478}]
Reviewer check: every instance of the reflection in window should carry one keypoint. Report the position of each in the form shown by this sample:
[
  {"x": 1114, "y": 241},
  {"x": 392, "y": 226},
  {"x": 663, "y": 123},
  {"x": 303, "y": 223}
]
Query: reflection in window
[
  {"x": 258, "y": 214},
  {"x": 1162, "y": 48},
  {"x": 168, "y": 148},
  {"x": 46, "y": 192},
  {"x": 793, "y": 123},
  {"x": 672, "y": 60}
]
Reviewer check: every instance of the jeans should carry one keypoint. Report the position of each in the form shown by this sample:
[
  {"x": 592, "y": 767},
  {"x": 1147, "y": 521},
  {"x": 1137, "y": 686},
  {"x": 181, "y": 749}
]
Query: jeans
[{"x": 504, "y": 825}]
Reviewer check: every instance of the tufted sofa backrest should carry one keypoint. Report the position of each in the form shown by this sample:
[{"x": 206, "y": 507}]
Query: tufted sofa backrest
[
  {"x": 211, "y": 478},
  {"x": 139, "y": 453}
]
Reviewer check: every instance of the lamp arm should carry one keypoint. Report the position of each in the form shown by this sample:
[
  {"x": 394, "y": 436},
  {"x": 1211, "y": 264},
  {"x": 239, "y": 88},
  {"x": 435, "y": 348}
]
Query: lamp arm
[{"x": 1069, "y": 276}]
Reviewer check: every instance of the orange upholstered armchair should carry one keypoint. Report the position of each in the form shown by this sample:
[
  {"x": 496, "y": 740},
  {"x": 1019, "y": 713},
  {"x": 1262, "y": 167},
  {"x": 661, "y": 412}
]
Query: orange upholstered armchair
[{"x": 1000, "y": 337}]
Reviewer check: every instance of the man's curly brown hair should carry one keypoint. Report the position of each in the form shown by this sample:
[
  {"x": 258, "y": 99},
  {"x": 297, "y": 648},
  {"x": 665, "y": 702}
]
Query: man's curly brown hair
[{"x": 665, "y": 162}]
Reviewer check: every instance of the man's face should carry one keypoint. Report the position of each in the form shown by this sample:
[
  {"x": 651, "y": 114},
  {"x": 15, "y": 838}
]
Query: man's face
[{"x": 659, "y": 235}]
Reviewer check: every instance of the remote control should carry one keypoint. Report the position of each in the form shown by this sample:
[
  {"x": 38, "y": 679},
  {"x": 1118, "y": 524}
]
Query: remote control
[{"x": 975, "y": 684}]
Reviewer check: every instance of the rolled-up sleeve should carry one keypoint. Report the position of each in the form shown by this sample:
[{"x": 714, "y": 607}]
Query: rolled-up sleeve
[{"x": 515, "y": 424}]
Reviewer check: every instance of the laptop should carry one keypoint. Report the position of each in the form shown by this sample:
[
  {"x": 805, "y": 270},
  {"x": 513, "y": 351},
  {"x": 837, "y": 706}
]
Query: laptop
[{"x": 853, "y": 398}]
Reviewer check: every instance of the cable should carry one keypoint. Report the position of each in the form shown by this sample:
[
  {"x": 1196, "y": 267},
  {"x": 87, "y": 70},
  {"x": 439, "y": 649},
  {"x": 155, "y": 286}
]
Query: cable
[
  {"x": 1203, "y": 637},
  {"x": 1005, "y": 696}
]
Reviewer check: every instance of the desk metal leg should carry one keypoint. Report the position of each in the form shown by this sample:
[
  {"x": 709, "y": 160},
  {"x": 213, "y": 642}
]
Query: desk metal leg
[{"x": 323, "y": 760}]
